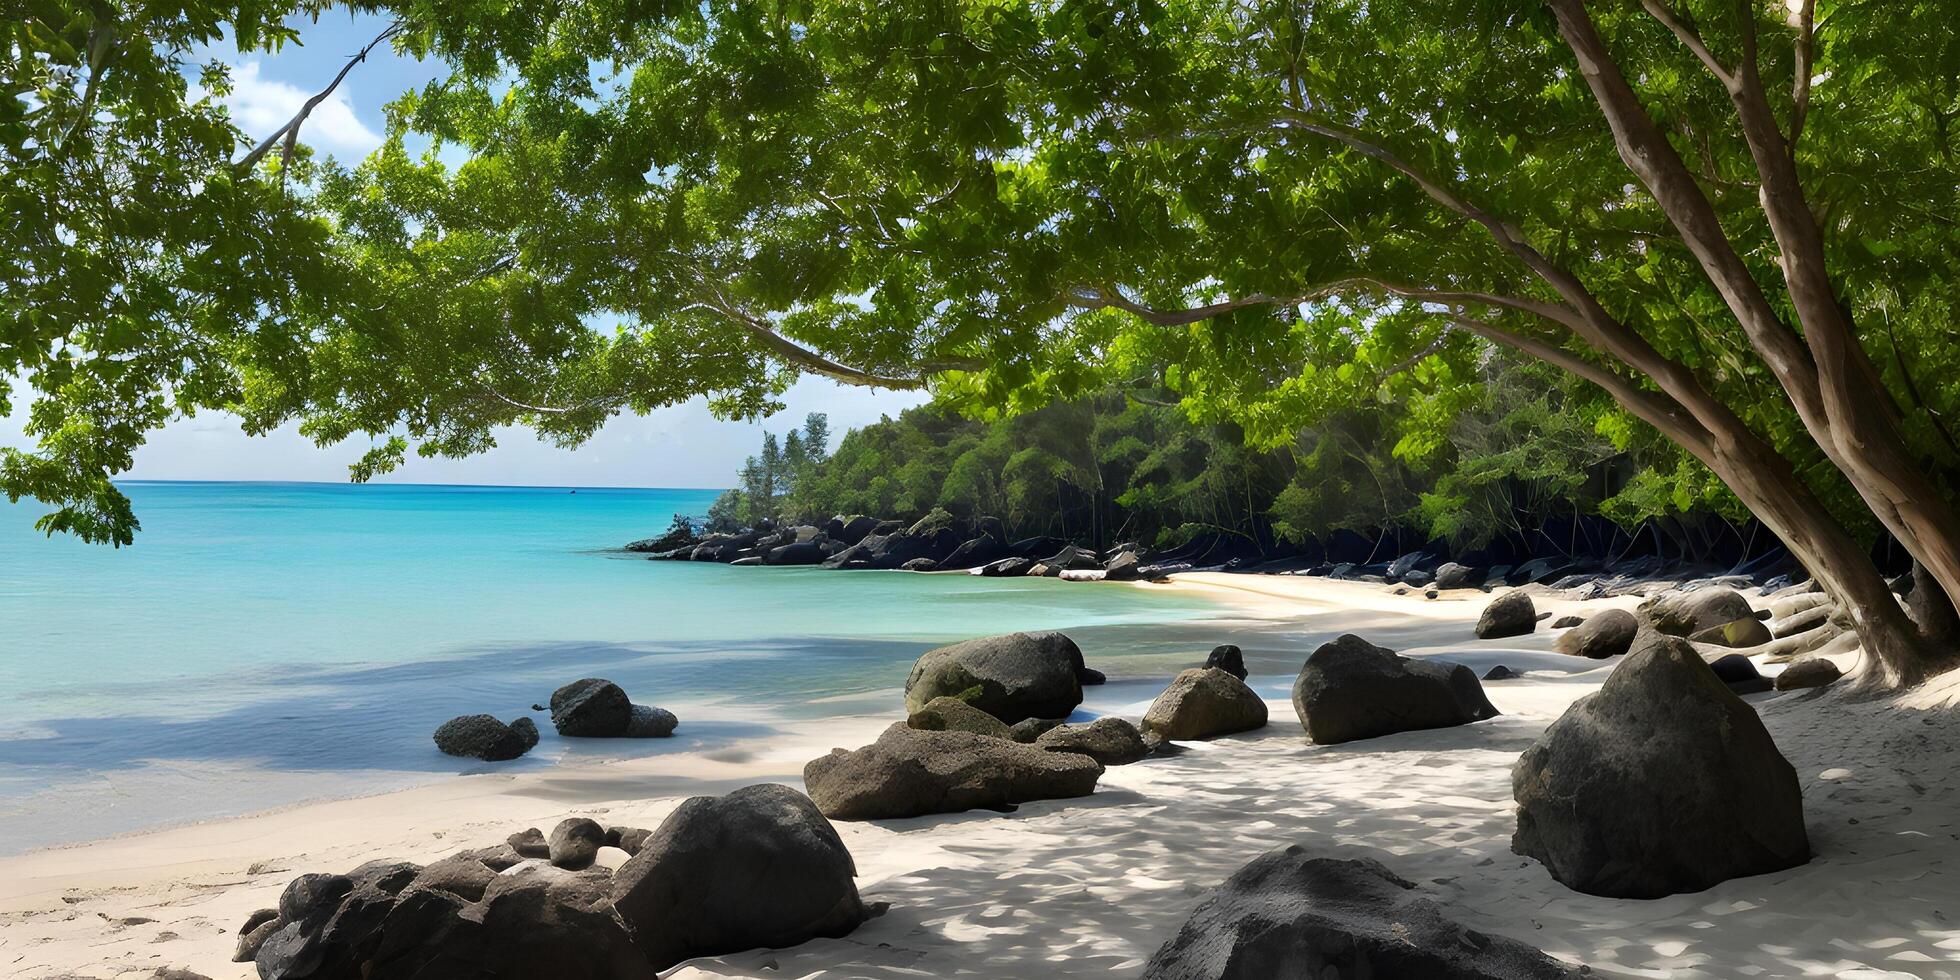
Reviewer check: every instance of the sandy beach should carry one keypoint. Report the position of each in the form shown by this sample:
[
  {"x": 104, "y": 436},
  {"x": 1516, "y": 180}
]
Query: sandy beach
[{"x": 1092, "y": 886}]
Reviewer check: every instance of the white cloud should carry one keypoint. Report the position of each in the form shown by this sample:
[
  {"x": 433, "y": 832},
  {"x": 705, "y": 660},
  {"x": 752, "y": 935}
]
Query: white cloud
[{"x": 260, "y": 105}]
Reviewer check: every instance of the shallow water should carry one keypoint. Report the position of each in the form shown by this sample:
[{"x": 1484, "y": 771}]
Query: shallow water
[{"x": 264, "y": 644}]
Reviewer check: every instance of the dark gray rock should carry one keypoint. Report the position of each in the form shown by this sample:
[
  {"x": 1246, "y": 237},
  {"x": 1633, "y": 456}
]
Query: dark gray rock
[
  {"x": 575, "y": 842},
  {"x": 909, "y": 773},
  {"x": 1661, "y": 782},
  {"x": 1110, "y": 741},
  {"x": 1030, "y": 730},
  {"x": 1091, "y": 677},
  {"x": 849, "y": 530},
  {"x": 1007, "y": 568},
  {"x": 797, "y": 553},
  {"x": 1019, "y": 675},
  {"x": 529, "y": 843},
  {"x": 1228, "y": 658},
  {"x": 1567, "y": 622},
  {"x": 1501, "y": 673},
  {"x": 975, "y": 552},
  {"x": 1205, "y": 702},
  {"x": 1122, "y": 568},
  {"x": 1740, "y": 674},
  {"x": 759, "y": 867},
  {"x": 1351, "y": 689},
  {"x": 1450, "y": 575},
  {"x": 1688, "y": 613},
  {"x": 1607, "y": 633},
  {"x": 1072, "y": 558},
  {"x": 591, "y": 708},
  {"x": 466, "y": 875},
  {"x": 252, "y": 934},
  {"x": 948, "y": 714},
  {"x": 484, "y": 737},
  {"x": 919, "y": 565},
  {"x": 648, "y": 721},
  {"x": 628, "y": 839},
  {"x": 1510, "y": 614},
  {"x": 1813, "y": 672},
  {"x": 1290, "y": 915}
]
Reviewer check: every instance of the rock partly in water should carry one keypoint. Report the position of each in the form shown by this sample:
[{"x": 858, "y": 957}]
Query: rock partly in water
[
  {"x": 1567, "y": 622},
  {"x": 1501, "y": 673},
  {"x": 1661, "y": 782},
  {"x": 1110, "y": 741},
  {"x": 591, "y": 708},
  {"x": 759, "y": 867},
  {"x": 1205, "y": 702},
  {"x": 1122, "y": 568},
  {"x": 1018, "y": 675},
  {"x": 947, "y": 714},
  {"x": 485, "y": 737},
  {"x": 1228, "y": 658},
  {"x": 1607, "y": 633},
  {"x": 575, "y": 842},
  {"x": 1510, "y": 614},
  {"x": 910, "y": 773},
  {"x": 1290, "y": 915},
  {"x": 1007, "y": 568},
  {"x": 648, "y": 721},
  {"x": 1813, "y": 672},
  {"x": 1352, "y": 689}
]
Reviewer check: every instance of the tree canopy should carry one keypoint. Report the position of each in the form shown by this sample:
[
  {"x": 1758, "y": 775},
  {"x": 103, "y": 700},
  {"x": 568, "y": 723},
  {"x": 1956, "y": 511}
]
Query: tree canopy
[{"x": 1735, "y": 220}]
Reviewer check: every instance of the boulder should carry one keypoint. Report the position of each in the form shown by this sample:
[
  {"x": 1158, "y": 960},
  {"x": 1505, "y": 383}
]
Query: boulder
[
  {"x": 1122, "y": 568},
  {"x": 1110, "y": 741},
  {"x": 1688, "y": 613},
  {"x": 575, "y": 842},
  {"x": 1416, "y": 577},
  {"x": 1007, "y": 568},
  {"x": 647, "y": 721},
  {"x": 975, "y": 552},
  {"x": 949, "y": 714},
  {"x": 759, "y": 867},
  {"x": 535, "y": 921},
  {"x": 465, "y": 874},
  {"x": 1450, "y": 575},
  {"x": 1351, "y": 689},
  {"x": 1510, "y": 614},
  {"x": 1228, "y": 658},
  {"x": 1072, "y": 558},
  {"x": 1746, "y": 632},
  {"x": 252, "y": 934},
  {"x": 1501, "y": 673},
  {"x": 590, "y": 708},
  {"x": 1030, "y": 730},
  {"x": 1204, "y": 702},
  {"x": 1811, "y": 672},
  {"x": 1019, "y": 675},
  {"x": 1290, "y": 915},
  {"x": 484, "y": 737},
  {"x": 1091, "y": 677},
  {"x": 1567, "y": 622},
  {"x": 909, "y": 773},
  {"x": 919, "y": 565},
  {"x": 1607, "y": 633},
  {"x": 849, "y": 530},
  {"x": 1661, "y": 782},
  {"x": 529, "y": 843},
  {"x": 810, "y": 552},
  {"x": 1739, "y": 673}
]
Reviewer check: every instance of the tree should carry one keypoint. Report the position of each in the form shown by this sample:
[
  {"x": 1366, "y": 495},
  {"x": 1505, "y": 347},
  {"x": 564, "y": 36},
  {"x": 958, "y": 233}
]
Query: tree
[{"x": 1283, "y": 210}]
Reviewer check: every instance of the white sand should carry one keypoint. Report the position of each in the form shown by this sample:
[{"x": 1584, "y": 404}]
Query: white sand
[{"x": 1092, "y": 886}]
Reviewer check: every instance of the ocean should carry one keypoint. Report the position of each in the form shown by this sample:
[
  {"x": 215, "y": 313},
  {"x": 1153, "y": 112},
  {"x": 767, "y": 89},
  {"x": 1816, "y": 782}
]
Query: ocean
[{"x": 264, "y": 644}]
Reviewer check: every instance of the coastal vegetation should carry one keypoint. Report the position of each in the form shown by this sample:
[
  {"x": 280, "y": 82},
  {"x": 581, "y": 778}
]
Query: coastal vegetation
[{"x": 1275, "y": 215}]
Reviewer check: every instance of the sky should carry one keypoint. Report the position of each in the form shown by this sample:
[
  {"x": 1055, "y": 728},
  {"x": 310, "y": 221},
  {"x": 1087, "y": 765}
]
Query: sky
[{"x": 682, "y": 446}]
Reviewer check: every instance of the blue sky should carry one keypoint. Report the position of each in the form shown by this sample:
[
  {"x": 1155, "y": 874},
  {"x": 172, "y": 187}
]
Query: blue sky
[{"x": 683, "y": 446}]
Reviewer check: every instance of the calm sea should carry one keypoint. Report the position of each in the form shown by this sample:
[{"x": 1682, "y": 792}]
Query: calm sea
[{"x": 265, "y": 643}]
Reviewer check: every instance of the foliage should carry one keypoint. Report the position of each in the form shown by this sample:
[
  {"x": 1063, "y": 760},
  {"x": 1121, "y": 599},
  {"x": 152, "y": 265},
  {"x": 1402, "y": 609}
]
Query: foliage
[{"x": 768, "y": 478}]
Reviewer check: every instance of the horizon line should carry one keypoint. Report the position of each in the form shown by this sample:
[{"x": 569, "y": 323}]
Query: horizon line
[{"x": 403, "y": 483}]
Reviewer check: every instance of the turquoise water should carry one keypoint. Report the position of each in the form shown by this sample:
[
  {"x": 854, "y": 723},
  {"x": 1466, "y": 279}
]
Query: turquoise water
[{"x": 264, "y": 644}]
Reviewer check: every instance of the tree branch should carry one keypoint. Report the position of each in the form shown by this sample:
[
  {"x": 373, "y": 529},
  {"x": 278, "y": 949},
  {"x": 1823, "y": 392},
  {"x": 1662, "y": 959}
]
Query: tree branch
[
  {"x": 1690, "y": 38},
  {"x": 290, "y": 131}
]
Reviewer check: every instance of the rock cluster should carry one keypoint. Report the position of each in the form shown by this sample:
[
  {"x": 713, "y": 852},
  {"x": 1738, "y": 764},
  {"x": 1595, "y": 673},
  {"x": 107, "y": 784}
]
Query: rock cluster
[
  {"x": 595, "y": 708},
  {"x": 758, "y": 867},
  {"x": 485, "y": 737}
]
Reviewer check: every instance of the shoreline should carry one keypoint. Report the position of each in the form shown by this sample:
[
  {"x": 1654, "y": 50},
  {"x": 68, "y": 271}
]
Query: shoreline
[{"x": 1091, "y": 886}]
